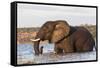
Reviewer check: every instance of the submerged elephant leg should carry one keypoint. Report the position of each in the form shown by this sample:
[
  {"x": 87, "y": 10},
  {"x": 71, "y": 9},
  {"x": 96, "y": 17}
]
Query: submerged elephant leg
[
  {"x": 88, "y": 46},
  {"x": 58, "y": 50},
  {"x": 67, "y": 46}
]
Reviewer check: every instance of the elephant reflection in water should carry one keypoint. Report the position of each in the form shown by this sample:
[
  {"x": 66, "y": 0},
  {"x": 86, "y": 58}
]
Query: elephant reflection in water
[{"x": 67, "y": 39}]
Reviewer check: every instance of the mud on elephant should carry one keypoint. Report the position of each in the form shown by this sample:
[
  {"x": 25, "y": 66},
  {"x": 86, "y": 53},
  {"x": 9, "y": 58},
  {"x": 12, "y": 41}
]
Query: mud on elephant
[{"x": 66, "y": 38}]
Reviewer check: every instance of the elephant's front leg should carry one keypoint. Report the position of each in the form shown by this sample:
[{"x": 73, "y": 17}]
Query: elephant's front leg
[{"x": 58, "y": 50}]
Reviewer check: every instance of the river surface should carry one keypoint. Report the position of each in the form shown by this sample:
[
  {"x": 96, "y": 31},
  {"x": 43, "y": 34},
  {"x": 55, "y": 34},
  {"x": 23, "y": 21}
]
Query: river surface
[{"x": 25, "y": 55}]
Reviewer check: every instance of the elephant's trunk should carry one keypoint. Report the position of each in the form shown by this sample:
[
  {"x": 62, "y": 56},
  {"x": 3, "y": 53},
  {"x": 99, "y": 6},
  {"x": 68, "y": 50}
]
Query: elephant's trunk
[{"x": 36, "y": 45}]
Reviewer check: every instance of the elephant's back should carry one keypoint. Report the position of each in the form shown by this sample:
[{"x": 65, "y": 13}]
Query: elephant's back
[{"x": 83, "y": 32}]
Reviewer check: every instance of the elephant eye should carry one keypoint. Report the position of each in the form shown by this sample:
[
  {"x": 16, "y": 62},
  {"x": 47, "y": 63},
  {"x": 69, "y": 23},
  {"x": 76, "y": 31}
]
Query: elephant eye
[{"x": 45, "y": 29}]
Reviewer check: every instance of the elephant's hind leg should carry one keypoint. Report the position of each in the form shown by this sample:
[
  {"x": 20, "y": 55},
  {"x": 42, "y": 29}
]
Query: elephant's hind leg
[{"x": 88, "y": 46}]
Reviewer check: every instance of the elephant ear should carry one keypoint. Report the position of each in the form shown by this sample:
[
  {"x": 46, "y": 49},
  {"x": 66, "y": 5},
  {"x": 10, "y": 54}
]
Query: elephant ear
[{"x": 61, "y": 30}]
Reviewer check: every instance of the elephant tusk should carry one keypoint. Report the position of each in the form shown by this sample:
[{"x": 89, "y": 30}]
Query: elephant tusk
[{"x": 35, "y": 39}]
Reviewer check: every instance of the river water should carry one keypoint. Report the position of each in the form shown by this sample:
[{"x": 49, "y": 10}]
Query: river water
[{"x": 25, "y": 55}]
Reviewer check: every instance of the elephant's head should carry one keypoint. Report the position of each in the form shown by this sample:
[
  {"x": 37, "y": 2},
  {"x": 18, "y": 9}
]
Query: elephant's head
[{"x": 53, "y": 31}]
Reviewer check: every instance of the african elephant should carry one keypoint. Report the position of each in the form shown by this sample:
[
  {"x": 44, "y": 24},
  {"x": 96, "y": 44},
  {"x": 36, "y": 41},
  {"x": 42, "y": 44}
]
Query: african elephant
[{"x": 66, "y": 38}]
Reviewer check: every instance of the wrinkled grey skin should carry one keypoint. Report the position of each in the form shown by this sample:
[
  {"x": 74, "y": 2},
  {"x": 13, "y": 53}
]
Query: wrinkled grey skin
[{"x": 79, "y": 39}]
